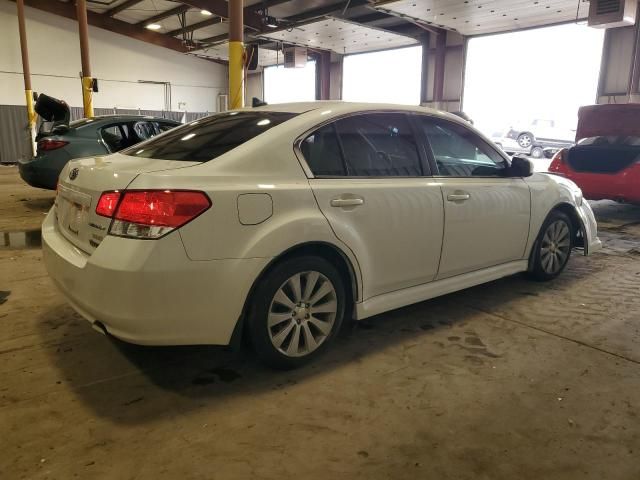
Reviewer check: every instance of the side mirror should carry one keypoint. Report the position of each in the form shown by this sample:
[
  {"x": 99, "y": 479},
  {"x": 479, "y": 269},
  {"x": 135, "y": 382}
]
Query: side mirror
[{"x": 520, "y": 167}]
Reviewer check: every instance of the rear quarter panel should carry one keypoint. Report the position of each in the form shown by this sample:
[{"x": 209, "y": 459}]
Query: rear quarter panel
[{"x": 263, "y": 166}]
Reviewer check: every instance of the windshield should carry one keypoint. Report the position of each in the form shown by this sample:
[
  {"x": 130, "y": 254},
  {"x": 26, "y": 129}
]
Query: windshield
[{"x": 210, "y": 137}]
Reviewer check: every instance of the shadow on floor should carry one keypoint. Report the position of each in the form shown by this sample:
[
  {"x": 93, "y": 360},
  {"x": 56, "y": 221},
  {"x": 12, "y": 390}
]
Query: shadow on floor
[{"x": 160, "y": 381}]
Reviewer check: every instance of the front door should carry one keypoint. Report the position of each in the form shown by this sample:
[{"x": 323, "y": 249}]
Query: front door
[
  {"x": 370, "y": 184},
  {"x": 486, "y": 212}
]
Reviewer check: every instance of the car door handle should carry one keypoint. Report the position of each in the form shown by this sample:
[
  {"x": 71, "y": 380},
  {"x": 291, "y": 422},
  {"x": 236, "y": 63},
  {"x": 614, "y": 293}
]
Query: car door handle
[
  {"x": 347, "y": 202},
  {"x": 458, "y": 197}
]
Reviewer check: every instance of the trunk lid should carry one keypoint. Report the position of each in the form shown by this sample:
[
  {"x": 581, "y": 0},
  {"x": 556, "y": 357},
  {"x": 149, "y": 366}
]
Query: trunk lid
[
  {"x": 55, "y": 115},
  {"x": 608, "y": 120},
  {"x": 81, "y": 184}
]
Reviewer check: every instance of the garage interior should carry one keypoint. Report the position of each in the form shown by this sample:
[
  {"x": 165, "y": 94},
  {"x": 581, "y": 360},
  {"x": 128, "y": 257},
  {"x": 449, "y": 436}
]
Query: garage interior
[{"x": 511, "y": 379}]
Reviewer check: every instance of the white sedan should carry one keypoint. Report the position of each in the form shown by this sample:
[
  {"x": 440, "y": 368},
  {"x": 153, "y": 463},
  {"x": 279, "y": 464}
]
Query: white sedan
[{"x": 281, "y": 221}]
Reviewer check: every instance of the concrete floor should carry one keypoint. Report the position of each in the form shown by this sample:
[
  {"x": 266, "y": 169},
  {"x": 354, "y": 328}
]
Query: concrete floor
[{"x": 509, "y": 380}]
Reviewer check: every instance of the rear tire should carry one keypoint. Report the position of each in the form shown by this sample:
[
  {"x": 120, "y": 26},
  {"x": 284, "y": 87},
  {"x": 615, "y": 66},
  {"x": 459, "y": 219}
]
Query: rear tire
[
  {"x": 552, "y": 249},
  {"x": 537, "y": 152},
  {"x": 296, "y": 311}
]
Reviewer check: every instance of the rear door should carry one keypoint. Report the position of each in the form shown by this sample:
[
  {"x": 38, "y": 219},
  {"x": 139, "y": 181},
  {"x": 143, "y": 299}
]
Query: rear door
[
  {"x": 370, "y": 183},
  {"x": 486, "y": 212}
]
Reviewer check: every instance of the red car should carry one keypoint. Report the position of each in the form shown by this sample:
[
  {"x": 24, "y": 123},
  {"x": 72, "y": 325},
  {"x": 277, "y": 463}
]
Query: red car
[{"x": 605, "y": 162}]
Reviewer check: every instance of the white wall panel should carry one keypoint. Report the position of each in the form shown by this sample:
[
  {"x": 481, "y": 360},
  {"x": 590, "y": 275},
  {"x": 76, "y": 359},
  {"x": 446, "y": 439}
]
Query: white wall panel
[
  {"x": 619, "y": 61},
  {"x": 118, "y": 62}
]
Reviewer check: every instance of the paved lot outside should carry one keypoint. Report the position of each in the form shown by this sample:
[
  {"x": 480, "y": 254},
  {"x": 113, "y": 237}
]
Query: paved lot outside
[{"x": 509, "y": 380}]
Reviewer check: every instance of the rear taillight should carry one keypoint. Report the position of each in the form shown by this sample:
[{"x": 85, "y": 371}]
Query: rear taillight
[
  {"x": 558, "y": 160},
  {"x": 49, "y": 144},
  {"x": 107, "y": 204},
  {"x": 150, "y": 213}
]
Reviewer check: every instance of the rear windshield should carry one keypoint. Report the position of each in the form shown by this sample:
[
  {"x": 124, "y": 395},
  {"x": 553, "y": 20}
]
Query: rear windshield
[{"x": 210, "y": 137}]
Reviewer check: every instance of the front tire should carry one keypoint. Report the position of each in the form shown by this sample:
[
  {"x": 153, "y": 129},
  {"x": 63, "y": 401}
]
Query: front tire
[
  {"x": 525, "y": 140},
  {"x": 552, "y": 249},
  {"x": 296, "y": 311}
]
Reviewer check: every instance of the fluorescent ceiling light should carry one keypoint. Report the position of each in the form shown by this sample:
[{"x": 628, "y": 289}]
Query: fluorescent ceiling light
[
  {"x": 153, "y": 26},
  {"x": 206, "y": 13}
]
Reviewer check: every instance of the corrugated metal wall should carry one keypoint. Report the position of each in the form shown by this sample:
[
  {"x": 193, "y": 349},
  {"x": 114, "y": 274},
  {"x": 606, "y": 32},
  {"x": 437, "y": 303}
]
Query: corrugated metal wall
[{"x": 14, "y": 136}]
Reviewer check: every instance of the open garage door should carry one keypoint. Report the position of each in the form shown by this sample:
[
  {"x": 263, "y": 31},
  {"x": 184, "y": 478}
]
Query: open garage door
[
  {"x": 390, "y": 76},
  {"x": 283, "y": 85},
  {"x": 524, "y": 88}
]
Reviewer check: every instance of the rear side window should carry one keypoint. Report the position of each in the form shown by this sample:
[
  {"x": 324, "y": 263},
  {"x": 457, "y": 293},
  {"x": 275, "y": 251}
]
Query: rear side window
[
  {"x": 369, "y": 145},
  {"x": 210, "y": 137},
  {"x": 322, "y": 152},
  {"x": 113, "y": 137}
]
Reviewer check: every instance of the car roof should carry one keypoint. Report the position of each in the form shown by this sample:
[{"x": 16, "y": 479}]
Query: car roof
[
  {"x": 123, "y": 118},
  {"x": 344, "y": 107}
]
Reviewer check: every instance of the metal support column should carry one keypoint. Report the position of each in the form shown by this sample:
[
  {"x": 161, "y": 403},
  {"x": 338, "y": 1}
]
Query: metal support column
[
  {"x": 323, "y": 76},
  {"x": 236, "y": 54},
  {"x": 438, "y": 73},
  {"x": 424, "y": 73},
  {"x": 26, "y": 72},
  {"x": 87, "y": 81},
  {"x": 634, "y": 81}
]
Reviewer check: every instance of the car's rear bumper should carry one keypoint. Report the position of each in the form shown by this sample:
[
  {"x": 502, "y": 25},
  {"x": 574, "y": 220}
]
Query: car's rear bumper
[
  {"x": 623, "y": 186},
  {"x": 37, "y": 175},
  {"x": 147, "y": 291}
]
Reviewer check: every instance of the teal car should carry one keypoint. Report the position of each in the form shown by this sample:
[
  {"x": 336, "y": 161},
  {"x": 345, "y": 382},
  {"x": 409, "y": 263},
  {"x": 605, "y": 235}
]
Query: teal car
[{"x": 60, "y": 140}]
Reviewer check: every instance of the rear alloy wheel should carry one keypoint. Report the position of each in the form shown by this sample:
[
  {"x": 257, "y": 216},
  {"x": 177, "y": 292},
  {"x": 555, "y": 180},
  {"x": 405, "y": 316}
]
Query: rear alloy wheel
[
  {"x": 525, "y": 140},
  {"x": 298, "y": 308},
  {"x": 537, "y": 152},
  {"x": 553, "y": 247}
]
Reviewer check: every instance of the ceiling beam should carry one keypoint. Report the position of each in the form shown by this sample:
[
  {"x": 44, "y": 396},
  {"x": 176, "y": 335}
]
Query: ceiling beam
[
  {"x": 220, "y": 8},
  {"x": 294, "y": 20},
  {"x": 162, "y": 15},
  {"x": 215, "y": 39},
  {"x": 68, "y": 10},
  {"x": 120, "y": 8},
  {"x": 195, "y": 26}
]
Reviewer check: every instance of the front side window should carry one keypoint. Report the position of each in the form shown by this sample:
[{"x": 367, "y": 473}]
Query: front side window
[
  {"x": 209, "y": 137},
  {"x": 369, "y": 145},
  {"x": 459, "y": 152}
]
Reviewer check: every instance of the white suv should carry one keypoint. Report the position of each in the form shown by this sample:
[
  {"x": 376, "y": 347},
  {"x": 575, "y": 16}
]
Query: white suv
[{"x": 282, "y": 221}]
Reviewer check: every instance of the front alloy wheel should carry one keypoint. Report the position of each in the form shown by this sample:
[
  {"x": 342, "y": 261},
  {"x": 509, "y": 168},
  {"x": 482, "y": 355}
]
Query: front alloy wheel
[
  {"x": 555, "y": 247},
  {"x": 552, "y": 249},
  {"x": 525, "y": 140}
]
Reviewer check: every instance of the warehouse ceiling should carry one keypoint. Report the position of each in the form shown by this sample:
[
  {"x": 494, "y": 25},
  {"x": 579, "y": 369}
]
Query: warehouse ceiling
[
  {"x": 200, "y": 27},
  {"x": 474, "y": 17}
]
